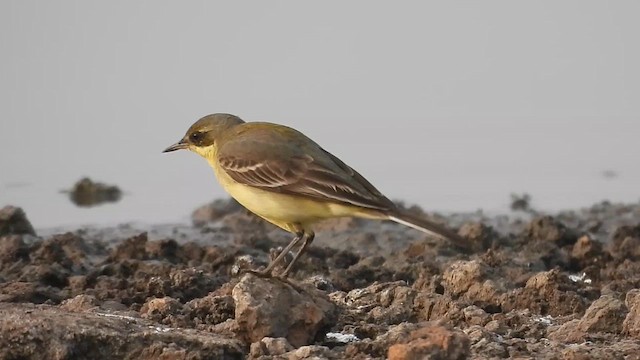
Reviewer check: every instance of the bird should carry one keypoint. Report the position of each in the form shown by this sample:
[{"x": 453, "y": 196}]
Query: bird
[{"x": 284, "y": 177}]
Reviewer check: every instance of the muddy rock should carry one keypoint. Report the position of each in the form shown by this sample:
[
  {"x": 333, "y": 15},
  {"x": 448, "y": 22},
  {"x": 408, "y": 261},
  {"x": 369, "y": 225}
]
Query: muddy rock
[
  {"x": 28, "y": 332},
  {"x": 214, "y": 211},
  {"x": 631, "y": 324},
  {"x": 475, "y": 315},
  {"x": 269, "y": 346},
  {"x": 212, "y": 309},
  {"x": 261, "y": 302},
  {"x": 546, "y": 293},
  {"x": 383, "y": 303},
  {"x": 87, "y": 193},
  {"x": 480, "y": 236},
  {"x": 80, "y": 303},
  {"x": 462, "y": 275},
  {"x": 586, "y": 252},
  {"x": 311, "y": 352},
  {"x": 605, "y": 315},
  {"x": 160, "y": 308},
  {"x": 377, "y": 340},
  {"x": 549, "y": 229},
  {"x": 625, "y": 242},
  {"x": 432, "y": 342},
  {"x": 12, "y": 250},
  {"x": 13, "y": 221}
]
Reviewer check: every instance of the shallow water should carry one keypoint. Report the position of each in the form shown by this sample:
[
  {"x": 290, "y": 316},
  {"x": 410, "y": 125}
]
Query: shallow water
[{"x": 437, "y": 105}]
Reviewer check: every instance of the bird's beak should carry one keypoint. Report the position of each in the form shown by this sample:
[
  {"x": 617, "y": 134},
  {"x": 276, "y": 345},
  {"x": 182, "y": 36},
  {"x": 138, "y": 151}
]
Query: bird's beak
[{"x": 177, "y": 146}]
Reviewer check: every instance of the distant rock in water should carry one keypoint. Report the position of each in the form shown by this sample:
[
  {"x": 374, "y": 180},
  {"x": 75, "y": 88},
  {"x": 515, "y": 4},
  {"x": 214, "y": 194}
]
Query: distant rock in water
[
  {"x": 13, "y": 221},
  {"x": 88, "y": 193}
]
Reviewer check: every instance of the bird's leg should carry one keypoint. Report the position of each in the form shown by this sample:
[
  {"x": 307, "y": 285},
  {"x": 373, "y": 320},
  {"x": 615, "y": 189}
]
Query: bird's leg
[
  {"x": 307, "y": 241},
  {"x": 283, "y": 253}
]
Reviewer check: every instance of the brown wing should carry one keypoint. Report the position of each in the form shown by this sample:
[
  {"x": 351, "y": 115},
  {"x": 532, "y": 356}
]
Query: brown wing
[{"x": 285, "y": 161}]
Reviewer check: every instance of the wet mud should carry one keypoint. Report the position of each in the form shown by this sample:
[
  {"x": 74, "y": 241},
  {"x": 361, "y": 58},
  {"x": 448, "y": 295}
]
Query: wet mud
[{"x": 531, "y": 285}]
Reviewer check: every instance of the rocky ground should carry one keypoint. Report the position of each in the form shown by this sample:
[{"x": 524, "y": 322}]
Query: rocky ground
[{"x": 530, "y": 285}]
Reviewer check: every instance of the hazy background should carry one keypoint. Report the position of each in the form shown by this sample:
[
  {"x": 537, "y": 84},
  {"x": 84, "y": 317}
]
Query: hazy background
[{"x": 451, "y": 105}]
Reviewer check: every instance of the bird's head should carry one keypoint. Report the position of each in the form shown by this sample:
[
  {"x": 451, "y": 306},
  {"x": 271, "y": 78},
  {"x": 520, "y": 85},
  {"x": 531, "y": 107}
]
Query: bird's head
[{"x": 202, "y": 135}]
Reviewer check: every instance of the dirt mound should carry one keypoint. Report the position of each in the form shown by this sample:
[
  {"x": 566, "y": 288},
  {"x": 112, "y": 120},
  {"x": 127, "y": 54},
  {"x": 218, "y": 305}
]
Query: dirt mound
[{"x": 550, "y": 286}]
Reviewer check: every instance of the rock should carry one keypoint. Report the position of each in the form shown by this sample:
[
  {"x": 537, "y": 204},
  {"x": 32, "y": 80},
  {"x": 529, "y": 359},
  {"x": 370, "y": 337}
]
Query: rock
[
  {"x": 461, "y": 275},
  {"x": 12, "y": 249},
  {"x": 212, "y": 309},
  {"x": 134, "y": 247},
  {"x": 521, "y": 202},
  {"x": 496, "y": 327},
  {"x": 587, "y": 251},
  {"x": 13, "y": 221},
  {"x": 80, "y": 303},
  {"x": 214, "y": 211},
  {"x": 475, "y": 315},
  {"x": 386, "y": 303},
  {"x": 87, "y": 193},
  {"x": 549, "y": 229},
  {"x": 625, "y": 242},
  {"x": 269, "y": 307},
  {"x": 269, "y": 346},
  {"x": 380, "y": 339},
  {"x": 160, "y": 308},
  {"x": 480, "y": 236},
  {"x": 431, "y": 342},
  {"x": 44, "y": 332},
  {"x": 545, "y": 293},
  {"x": 604, "y": 315},
  {"x": 311, "y": 352},
  {"x": 631, "y": 324},
  {"x": 477, "y": 333}
]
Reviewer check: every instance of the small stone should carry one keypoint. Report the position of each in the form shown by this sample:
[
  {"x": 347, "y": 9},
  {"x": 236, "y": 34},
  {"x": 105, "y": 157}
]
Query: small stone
[
  {"x": 461, "y": 275},
  {"x": 159, "y": 308},
  {"x": 432, "y": 342},
  {"x": 586, "y": 250},
  {"x": 80, "y": 303},
  {"x": 475, "y": 315},
  {"x": 310, "y": 352},
  {"x": 269, "y": 346},
  {"x": 496, "y": 327}
]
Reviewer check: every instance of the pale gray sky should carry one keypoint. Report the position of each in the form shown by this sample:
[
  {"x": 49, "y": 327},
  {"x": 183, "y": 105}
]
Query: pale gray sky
[{"x": 449, "y": 104}]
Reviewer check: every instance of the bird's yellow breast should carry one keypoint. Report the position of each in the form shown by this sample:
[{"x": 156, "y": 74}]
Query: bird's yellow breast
[{"x": 288, "y": 212}]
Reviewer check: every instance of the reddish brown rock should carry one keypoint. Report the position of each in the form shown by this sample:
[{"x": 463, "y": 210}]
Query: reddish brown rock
[
  {"x": 269, "y": 307},
  {"x": 431, "y": 342}
]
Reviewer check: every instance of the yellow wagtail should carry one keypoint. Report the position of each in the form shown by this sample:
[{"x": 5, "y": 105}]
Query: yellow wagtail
[{"x": 287, "y": 179}]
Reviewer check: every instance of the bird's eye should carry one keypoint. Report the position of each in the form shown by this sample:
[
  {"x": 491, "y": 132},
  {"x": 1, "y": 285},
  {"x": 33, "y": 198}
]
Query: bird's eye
[{"x": 196, "y": 137}]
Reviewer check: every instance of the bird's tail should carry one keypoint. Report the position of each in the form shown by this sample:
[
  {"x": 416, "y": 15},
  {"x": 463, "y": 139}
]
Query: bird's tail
[{"x": 426, "y": 226}]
